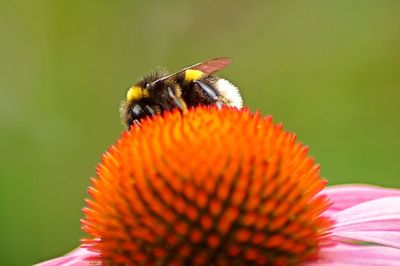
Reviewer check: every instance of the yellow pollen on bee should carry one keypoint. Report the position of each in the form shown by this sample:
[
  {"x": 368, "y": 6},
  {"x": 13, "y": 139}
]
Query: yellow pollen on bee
[
  {"x": 192, "y": 74},
  {"x": 136, "y": 93}
]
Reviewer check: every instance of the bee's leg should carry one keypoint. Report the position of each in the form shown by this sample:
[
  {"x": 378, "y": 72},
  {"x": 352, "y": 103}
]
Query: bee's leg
[
  {"x": 176, "y": 101},
  {"x": 207, "y": 89},
  {"x": 136, "y": 122},
  {"x": 210, "y": 92},
  {"x": 137, "y": 111},
  {"x": 149, "y": 110}
]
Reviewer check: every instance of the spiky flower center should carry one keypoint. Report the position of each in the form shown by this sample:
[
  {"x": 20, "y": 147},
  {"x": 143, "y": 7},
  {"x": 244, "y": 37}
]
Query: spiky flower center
[{"x": 210, "y": 187}]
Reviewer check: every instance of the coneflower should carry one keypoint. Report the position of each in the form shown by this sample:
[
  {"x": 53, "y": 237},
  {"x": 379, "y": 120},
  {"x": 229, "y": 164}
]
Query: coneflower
[{"x": 228, "y": 187}]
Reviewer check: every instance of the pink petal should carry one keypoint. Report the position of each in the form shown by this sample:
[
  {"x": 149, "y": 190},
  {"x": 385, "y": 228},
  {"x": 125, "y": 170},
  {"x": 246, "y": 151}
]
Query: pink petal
[
  {"x": 77, "y": 257},
  {"x": 387, "y": 238},
  {"x": 383, "y": 207},
  {"x": 349, "y": 255},
  {"x": 346, "y": 196},
  {"x": 376, "y": 221}
]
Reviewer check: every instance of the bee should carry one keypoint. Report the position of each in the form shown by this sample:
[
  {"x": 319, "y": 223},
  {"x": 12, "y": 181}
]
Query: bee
[{"x": 189, "y": 87}]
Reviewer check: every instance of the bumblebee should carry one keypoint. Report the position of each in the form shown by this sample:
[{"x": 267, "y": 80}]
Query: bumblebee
[{"x": 192, "y": 86}]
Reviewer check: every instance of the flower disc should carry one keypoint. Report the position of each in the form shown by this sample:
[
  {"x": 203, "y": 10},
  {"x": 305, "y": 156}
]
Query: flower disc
[{"x": 209, "y": 187}]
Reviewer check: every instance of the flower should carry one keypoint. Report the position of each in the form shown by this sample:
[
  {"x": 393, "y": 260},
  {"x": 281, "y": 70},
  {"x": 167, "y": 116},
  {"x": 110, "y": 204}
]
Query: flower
[
  {"x": 228, "y": 187},
  {"x": 367, "y": 229}
]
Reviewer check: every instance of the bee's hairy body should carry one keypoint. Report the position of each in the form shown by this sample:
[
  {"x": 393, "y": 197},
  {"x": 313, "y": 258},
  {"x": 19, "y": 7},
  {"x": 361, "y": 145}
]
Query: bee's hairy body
[{"x": 187, "y": 88}]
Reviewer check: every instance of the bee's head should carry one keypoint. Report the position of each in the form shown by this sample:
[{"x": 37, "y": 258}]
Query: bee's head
[
  {"x": 149, "y": 98},
  {"x": 138, "y": 104}
]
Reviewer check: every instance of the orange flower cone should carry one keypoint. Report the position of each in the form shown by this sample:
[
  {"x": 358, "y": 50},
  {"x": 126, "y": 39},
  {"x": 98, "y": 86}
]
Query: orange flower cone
[{"x": 223, "y": 187}]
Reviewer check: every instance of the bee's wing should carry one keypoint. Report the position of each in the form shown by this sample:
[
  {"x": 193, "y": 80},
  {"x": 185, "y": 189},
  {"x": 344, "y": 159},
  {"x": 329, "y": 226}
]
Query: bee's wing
[
  {"x": 208, "y": 67},
  {"x": 211, "y": 66}
]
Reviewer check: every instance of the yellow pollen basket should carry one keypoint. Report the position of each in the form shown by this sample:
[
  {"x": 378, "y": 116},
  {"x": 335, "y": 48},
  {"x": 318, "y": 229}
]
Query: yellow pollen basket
[
  {"x": 192, "y": 74},
  {"x": 136, "y": 93}
]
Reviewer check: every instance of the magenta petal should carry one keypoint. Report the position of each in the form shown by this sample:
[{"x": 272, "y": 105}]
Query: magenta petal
[
  {"x": 77, "y": 257},
  {"x": 387, "y": 238},
  {"x": 344, "y": 254},
  {"x": 376, "y": 221},
  {"x": 379, "y": 208},
  {"x": 345, "y": 196}
]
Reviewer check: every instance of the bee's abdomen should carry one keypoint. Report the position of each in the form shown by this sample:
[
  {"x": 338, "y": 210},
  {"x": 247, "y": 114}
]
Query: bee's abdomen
[
  {"x": 230, "y": 94},
  {"x": 211, "y": 90}
]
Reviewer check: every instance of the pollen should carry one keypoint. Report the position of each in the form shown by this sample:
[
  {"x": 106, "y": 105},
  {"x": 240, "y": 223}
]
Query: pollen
[
  {"x": 193, "y": 74},
  {"x": 208, "y": 187},
  {"x": 136, "y": 93}
]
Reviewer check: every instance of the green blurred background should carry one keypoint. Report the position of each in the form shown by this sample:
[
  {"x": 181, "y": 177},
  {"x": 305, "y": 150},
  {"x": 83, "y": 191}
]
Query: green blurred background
[{"x": 329, "y": 70}]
